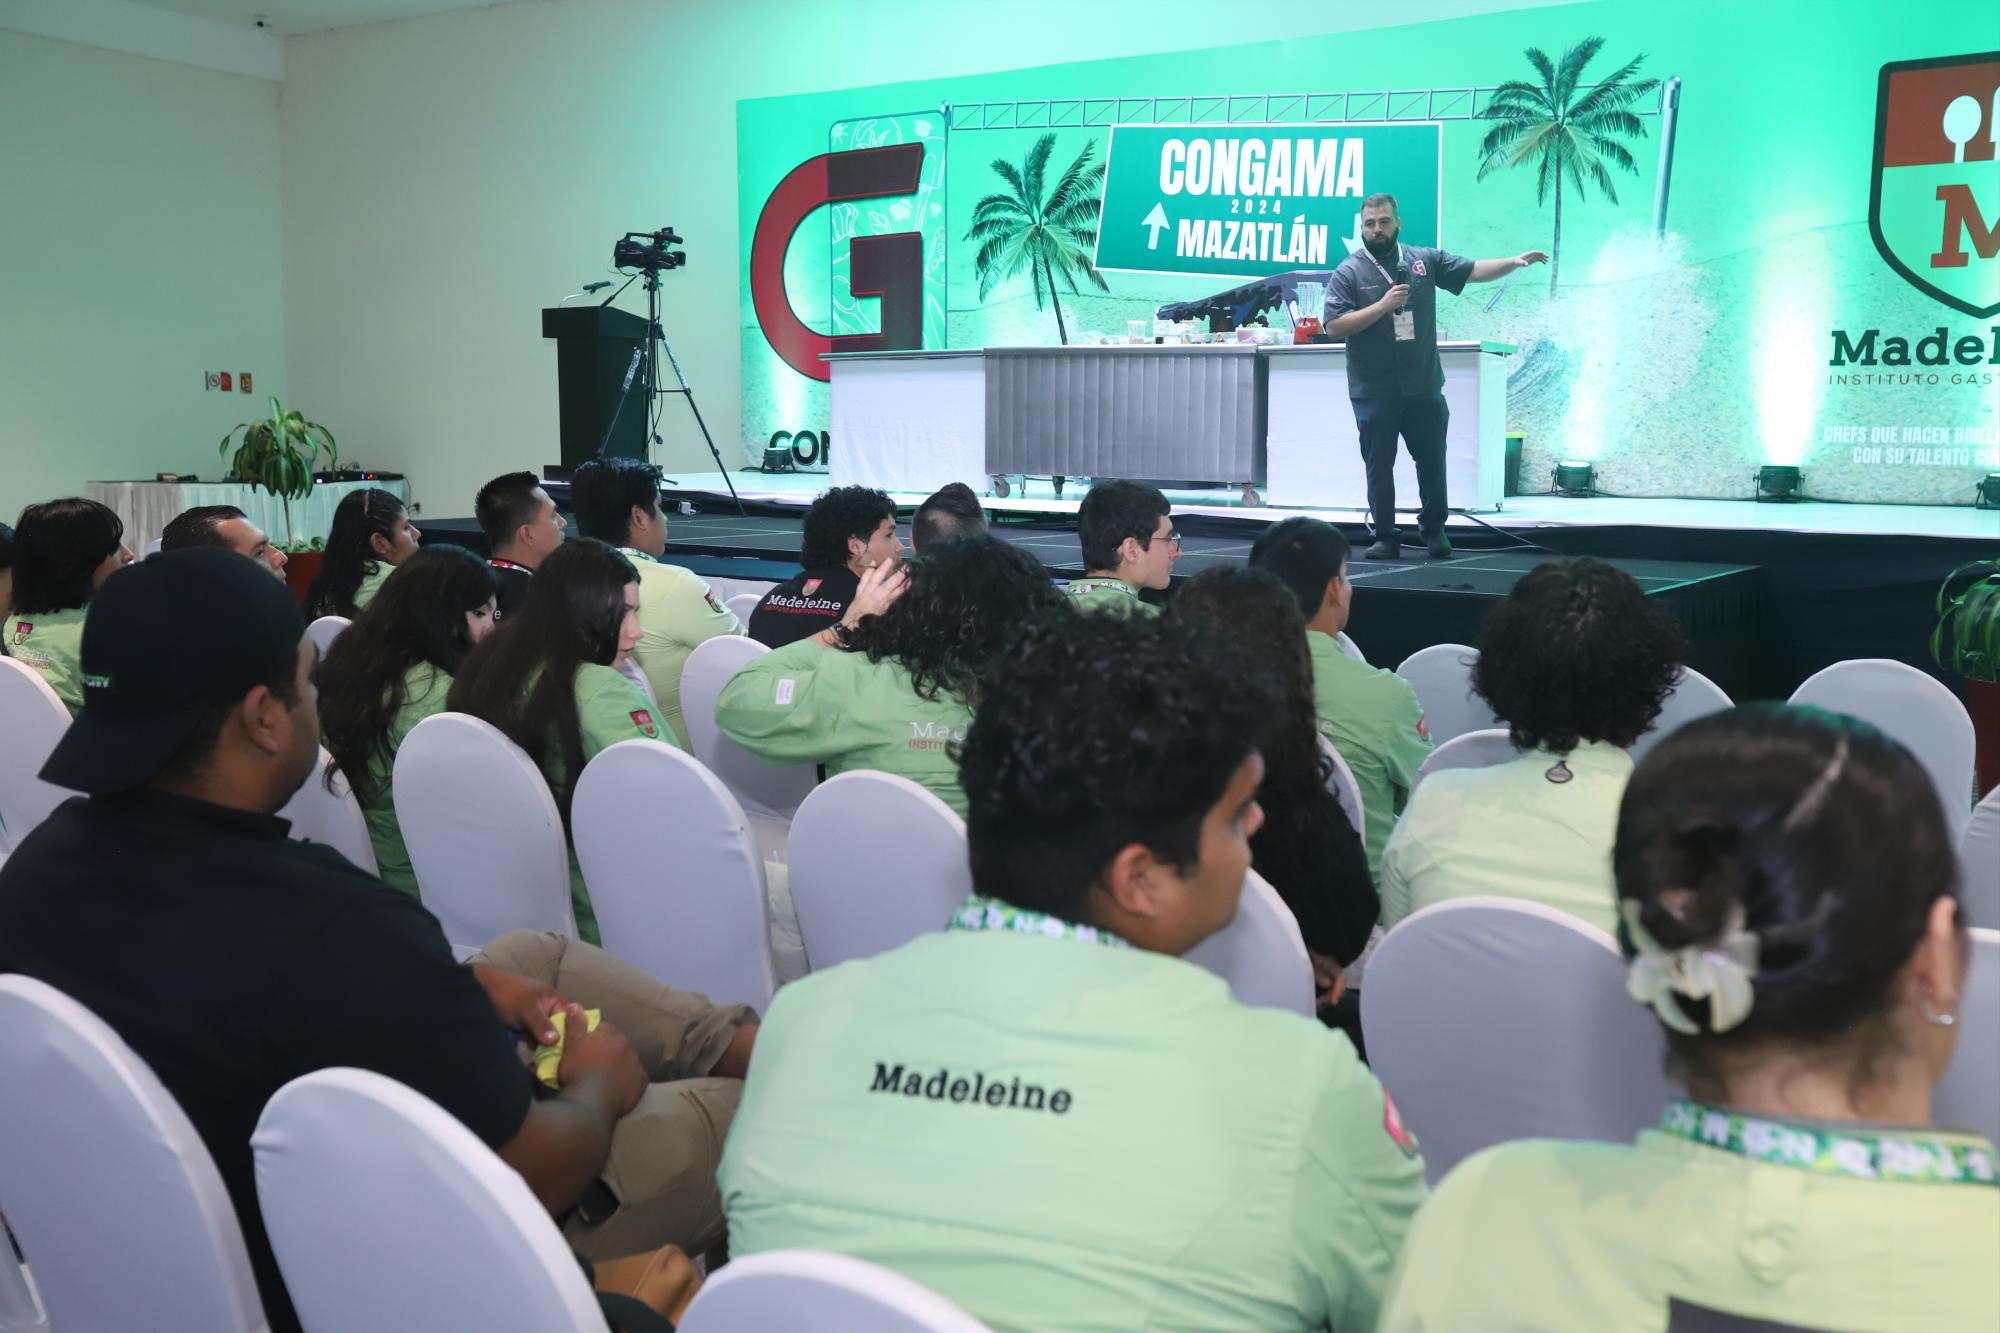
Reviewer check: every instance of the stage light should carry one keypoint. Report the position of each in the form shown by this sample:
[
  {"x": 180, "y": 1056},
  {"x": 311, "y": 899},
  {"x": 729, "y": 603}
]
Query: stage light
[
  {"x": 1989, "y": 492},
  {"x": 1574, "y": 478},
  {"x": 1779, "y": 484}
]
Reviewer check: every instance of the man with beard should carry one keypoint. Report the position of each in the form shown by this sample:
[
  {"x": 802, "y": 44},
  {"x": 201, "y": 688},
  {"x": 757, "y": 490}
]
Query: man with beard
[{"x": 1382, "y": 301}]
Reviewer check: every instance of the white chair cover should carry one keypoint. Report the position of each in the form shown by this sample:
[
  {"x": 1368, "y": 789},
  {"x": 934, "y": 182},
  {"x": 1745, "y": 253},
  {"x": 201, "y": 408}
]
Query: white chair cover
[
  {"x": 113, "y": 1196},
  {"x": 32, "y": 719},
  {"x": 1441, "y": 675},
  {"x": 1493, "y": 1019},
  {"x": 1912, "y": 707},
  {"x": 325, "y": 630},
  {"x": 1350, "y": 647},
  {"x": 768, "y": 793},
  {"x": 386, "y": 1213},
  {"x": 1979, "y": 859},
  {"x": 743, "y": 603},
  {"x": 1693, "y": 696},
  {"x": 629, "y": 669},
  {"x": 19, "y": 1312},
  {"x": 483, "y": 832},
  {"x": 674, "y": 872},
  {"x": 876, "y": 861},
  {"x": 1472, "y": 749},
  {"x": 331, "y": 817},
  {"x": 782, "y": 1290},
  {"x": 1968, "y": 1096},
  {"x": 1345, "y": 789},
  {"x": 152, "y": 547},
  {"x": 1260, "y": 953}
]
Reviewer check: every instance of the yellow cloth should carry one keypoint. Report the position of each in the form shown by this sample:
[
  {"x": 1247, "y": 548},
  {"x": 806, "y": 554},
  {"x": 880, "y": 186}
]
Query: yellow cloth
[{"x": 548, "y": 1058}]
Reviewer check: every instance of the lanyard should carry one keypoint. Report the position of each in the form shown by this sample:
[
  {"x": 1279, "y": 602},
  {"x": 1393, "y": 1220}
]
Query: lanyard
[
  {"x": 1919, "y": 1157},
  {"x": 1386, "y": 275},
  {"x": 1085, "y": 587},
  {"x": 498, "y": 563},
  {"x": 637, "y": 555},
  {"x": 977, "y": 913}
]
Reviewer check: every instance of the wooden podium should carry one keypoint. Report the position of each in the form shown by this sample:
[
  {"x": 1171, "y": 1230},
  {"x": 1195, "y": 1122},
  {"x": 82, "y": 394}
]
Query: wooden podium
[{"x": 594, "y": 346}]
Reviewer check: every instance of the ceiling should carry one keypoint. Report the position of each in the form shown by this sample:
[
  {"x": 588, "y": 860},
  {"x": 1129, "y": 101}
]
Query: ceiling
[{"x": 289, "y": 17}]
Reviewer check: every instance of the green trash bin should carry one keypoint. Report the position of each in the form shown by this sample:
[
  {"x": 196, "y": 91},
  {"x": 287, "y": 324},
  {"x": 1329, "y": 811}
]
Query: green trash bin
[{"x": 1512, "y": 471}]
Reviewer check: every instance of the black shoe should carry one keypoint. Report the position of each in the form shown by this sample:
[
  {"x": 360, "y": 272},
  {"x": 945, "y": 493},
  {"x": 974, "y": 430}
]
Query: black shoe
[
  {"x": 1439, "y": 547},
  {"x": 1385, "y": 550}
]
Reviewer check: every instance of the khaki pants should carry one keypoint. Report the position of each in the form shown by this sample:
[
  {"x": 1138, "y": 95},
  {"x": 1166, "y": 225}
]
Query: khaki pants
[{"x": 664, "y": 1154}]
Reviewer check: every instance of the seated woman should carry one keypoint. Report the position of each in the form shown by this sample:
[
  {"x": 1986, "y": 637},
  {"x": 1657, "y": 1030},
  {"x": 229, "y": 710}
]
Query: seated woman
[
  {"x": 390, "y": 670},
  {"x": 63, "y": 552},
  {"x": 1785, "y": 879},
  {"x": 1577, "y": 660},
  {"x": 1306, "y": 849},
  {"x": 891, "y": 686},
  {"x": 371, "y": 535},
  {"x": 550, "y": 678}
]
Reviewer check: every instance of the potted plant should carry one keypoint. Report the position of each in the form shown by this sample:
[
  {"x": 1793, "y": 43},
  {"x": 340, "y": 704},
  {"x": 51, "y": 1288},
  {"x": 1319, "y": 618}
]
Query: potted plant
[
  {"x": 278, "y": 454},
  {"x": 302, "y": 561},
  {"x": 1967, "y": 640}
]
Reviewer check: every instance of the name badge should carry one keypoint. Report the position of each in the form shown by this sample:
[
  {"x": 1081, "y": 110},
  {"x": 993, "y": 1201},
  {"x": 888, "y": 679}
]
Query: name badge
[{"x": 1406, "y": 326}]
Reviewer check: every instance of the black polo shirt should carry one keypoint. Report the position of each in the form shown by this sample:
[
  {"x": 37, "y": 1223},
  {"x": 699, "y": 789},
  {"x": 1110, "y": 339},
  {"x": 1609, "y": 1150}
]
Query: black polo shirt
[
  {"x": 1378, "y": 366},
  {"x": 803, "y": 605},
  {"x": 234, "y": 960},
  {"x": 511, "y": 581}
]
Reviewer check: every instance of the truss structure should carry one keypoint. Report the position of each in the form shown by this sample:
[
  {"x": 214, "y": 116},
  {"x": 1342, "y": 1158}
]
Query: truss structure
[{"x": 1388, "y": 107}]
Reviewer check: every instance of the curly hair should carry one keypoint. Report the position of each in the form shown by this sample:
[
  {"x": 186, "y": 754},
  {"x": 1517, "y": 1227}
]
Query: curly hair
[
  {"x": 1830, "y": 839},
  {"x": 358, "y": 519},
  {"x": 1094, "y": 733},
  {"x": 966, "y": 597},
  {"x": 1576, "y": 653},
  {"x": 418, "y": 617},
  {"x": 1113, "y": 510},
  {"x": 843, "y": 512}
]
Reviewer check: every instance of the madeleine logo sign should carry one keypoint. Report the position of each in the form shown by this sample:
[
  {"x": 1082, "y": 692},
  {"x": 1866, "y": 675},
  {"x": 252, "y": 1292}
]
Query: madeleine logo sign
[
  {"x": 1934, "y": 209},
  {"x": 1241, "y": 201}
]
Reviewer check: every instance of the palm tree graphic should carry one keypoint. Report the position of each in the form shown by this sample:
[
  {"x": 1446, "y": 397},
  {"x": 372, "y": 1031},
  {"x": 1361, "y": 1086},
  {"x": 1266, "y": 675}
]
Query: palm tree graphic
[
  {"x": 1564, "y": 137},
  {"x": 1050, "y": 238}
]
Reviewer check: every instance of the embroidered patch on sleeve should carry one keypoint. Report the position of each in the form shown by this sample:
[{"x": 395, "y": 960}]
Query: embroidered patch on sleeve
[
  {"x": 785, "y": 688},
  {"x": 22, "y": 629},
  {"x": 1393, "y": 1126},
  {"x": 1422, "y": 729},
  {"x": 713, "y": 605},
  {"x": 643, "y": 720},
  {"x": 811, "y": 587}
]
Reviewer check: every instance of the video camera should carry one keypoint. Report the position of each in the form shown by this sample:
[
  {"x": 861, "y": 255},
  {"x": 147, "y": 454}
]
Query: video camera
[{"x": 648, "y": 251}]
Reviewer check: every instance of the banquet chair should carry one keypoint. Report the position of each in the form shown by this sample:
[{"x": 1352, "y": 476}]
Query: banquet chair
[
  {"x": 1693, "y": 695},
  {"x": 1912, "y": 707},
  {"x": 1350, "y": 647},
  {"x": 331, "y": 817},
  {"x": 1260, "y": 954},
  {"x": 1493, "y": 1019},
  {"x": 386, "y": 1212},
  {"x": 1471, "y": 749},
  {"x": 742, "y": 604},
  {"x": 876, "y": 860},
  {"x": 484, "y": 835},
  {"x": 1979, "y": 862},
  {"x": 1968, "y": 1096},
  {"x": 1341, "y": 782},
  {"x": 674, "y": 873},
  {"x": 114, "y": 1198},
  {"x": 768, "y": 793},
  {"x": 32, "y": 719},
  {"x": 325, "y": 630},
  {"x": 1441, "y": 675},
  {"x": 826, "y": 1293}
]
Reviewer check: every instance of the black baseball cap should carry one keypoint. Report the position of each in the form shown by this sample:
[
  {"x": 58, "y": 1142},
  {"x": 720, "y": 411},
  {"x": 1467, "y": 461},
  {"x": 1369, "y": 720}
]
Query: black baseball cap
[{"x": 165, "y": 642}]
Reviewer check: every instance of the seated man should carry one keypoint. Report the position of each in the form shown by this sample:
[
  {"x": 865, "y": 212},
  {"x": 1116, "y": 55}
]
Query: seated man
[
  {"x": 1372, "y": 716},
  {"x": 233, "y": 960},
  {"x": 952, "y": 512},
  {"x": 1041, "y": 1112},
  {"x": 848, "y": 531},
  {"x": 1577, "y": 659},
  {"x": 521, "y": 526},
  {"x": 225, "y": 526},
  {"x": 617, "y": 500},
  {"x": 1128, "y": 542}
]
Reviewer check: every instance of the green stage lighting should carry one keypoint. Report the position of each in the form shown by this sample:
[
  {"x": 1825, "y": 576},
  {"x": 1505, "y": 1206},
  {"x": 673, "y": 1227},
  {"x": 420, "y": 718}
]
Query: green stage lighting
[
  {"x": 1779, "y": 484},
  {"x": 1575, "y": 478},
  {"x": 1989, "y": 492}
]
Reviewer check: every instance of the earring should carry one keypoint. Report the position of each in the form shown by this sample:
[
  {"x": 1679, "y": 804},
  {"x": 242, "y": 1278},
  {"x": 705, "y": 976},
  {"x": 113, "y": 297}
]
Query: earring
[{"x": 1943, "y": 1020}]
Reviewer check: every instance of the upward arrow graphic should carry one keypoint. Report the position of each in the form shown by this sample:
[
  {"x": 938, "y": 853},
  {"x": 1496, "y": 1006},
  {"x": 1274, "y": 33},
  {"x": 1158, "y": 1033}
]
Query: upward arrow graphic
[{"x": 1156, "y": 220}]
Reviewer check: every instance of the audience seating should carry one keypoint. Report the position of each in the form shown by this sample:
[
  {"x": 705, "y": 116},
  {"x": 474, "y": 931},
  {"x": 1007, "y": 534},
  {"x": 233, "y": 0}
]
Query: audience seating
[
  {"x": 1345, "y": 789},
  {"x": 483, "y": 832},
  {"x": 19, "y": 1312},
  {"x": 1492, "y": 1019},
  {"x": 742, "y": 604},
  {"x": 674, "y": 873},
  {"x": 876, "y": 861},
  {"x": 1968, "y": 1096},
  {"x": 1441, "y": 675},
  {"x": 386, "y": 1213},
  {"x": 1912, "y": 707},
  {"x": 768, "y": 793},
  {"x": 630, "y": 670},
  {"x": 1694, "y": 695},
  {"x": 32, "y": 719},
  {"x": 152, "y": 547},
  {"x": 1260, "y": 953},
  {"x": 1472, "y": 749},
  {"x": 1979, "y": 859},
  {"x": 1350, "y": 647},
  {"x": 113, "y": 1196},
  {"x": 325, "y": 630},
  {"x": 331, "y": 817},
  {"x": 783, "y": 1290}
]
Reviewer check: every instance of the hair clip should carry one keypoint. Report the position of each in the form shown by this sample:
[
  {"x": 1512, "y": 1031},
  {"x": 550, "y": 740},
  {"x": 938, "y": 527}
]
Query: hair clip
[{"x": 1718, "y": 971}]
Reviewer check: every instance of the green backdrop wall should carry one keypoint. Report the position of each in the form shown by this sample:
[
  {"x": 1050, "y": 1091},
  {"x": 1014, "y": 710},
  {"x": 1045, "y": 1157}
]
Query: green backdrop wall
[{"x": 1678, "y": 362}]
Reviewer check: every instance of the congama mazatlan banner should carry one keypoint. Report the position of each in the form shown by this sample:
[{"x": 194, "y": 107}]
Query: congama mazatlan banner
[{"x": 1766, "y": 249}]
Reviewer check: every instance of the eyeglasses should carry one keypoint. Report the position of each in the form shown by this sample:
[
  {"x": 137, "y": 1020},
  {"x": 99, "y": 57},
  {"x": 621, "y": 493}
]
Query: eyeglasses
[{"x": 1171, "y": 535}]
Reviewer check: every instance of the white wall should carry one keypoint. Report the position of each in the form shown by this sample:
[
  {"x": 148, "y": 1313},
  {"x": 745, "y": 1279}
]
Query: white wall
[
  {"x": 139, "y": 246},
  {"x": 446, "y": 177}
]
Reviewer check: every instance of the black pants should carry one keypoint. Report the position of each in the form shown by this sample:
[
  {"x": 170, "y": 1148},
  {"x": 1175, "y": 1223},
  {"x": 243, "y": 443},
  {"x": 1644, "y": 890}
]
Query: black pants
[{"x": 1420, "y": 421}]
